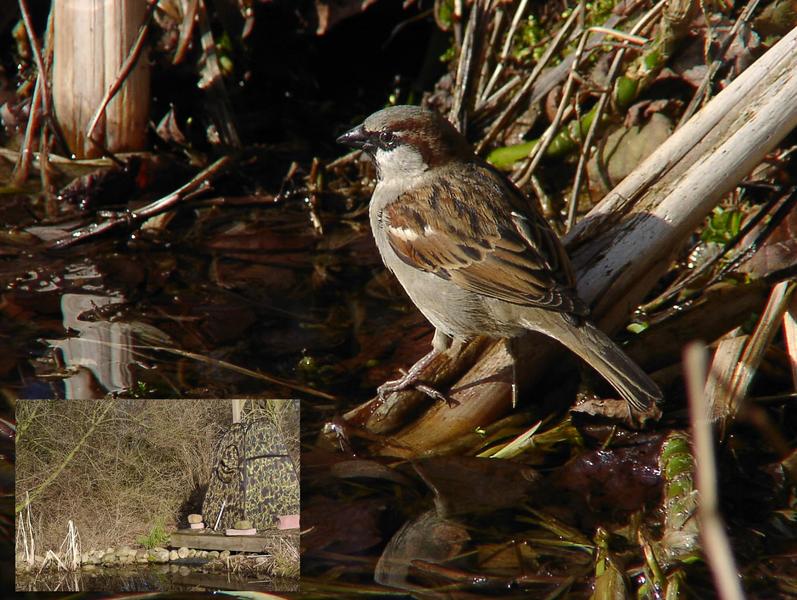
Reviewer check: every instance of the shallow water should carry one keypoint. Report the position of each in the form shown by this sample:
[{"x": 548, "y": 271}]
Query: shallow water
[{"x": 148, "y": 578}]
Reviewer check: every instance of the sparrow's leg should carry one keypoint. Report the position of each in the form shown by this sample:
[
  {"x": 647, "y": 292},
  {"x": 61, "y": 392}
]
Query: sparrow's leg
[{"x": 440, "y": 343}]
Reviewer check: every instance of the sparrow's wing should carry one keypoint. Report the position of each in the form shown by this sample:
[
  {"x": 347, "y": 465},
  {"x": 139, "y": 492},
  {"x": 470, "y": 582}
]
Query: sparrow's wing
[{"x": 478, "y": 231}]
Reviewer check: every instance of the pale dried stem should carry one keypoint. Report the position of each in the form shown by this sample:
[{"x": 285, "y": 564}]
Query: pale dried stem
[
  {"x": 40, "y": 103},
  {"x": 496, "y": 26},
  {"x": 464, "y": 79},
  {"x": 790, "y": 335},
  {"x": 504, "y": 117},
  {"x": 547, "y": 137},
  {"x": 672, "y": 191},
  {"x": 712, "y": 530},
  {"x": 726, "y": 359},
  {"x": 186, "y": 32},
  {"x": 499, "y": 67},
  {"x": 25, "y": 157},
  {"x": 631, "y": 38},
  {"x": 754, "y": 350},
  {"x": 37, "y": 53}
]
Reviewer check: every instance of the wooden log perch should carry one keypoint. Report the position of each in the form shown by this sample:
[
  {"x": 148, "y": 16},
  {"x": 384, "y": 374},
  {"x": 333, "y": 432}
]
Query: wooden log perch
[{"x": 624, "y": 245}]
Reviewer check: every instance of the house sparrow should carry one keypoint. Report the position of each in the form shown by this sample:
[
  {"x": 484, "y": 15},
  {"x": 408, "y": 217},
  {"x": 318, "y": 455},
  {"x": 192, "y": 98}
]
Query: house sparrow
[{"x": 473, "y": 254}]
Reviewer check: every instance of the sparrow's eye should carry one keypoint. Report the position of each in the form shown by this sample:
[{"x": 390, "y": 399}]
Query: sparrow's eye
[{"x": 387, "y": 138}]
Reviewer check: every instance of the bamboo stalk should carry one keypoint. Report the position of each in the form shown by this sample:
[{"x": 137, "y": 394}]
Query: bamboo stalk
[{"x": 92, "y": 42}]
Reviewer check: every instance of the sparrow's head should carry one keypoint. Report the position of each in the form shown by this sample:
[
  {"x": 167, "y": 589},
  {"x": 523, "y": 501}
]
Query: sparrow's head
[{"x": 405, "y": 141}]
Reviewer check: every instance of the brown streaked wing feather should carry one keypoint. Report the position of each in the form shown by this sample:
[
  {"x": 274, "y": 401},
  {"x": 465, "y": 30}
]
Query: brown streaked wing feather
[{"x": 485, "y": 239}]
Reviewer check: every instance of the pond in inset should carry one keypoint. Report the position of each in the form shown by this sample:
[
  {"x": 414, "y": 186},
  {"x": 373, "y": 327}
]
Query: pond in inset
[{"x": 148, "y": 578}]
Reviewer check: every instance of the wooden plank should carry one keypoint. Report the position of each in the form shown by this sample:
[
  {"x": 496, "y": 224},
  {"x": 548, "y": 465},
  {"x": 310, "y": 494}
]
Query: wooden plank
[{"x": 214, "y": 541}]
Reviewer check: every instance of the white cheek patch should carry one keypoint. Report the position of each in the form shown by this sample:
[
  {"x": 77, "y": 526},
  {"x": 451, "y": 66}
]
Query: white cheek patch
[{"x": 400, "y": 162}]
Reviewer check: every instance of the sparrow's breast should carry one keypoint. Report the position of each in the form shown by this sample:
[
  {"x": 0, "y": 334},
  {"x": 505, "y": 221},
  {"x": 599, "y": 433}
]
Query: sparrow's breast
[{"x": 451, "y": 309}]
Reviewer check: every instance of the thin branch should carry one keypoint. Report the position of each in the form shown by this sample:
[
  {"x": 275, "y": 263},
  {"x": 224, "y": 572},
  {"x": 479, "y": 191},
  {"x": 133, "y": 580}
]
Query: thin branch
[
  {"x": 620, "y": 35},
  {"x": 215, "y": 362},
  {"x": 602, "y": 101},
  {"x": 186, "y": 32},
  {"x": 95, "y": 422},
  {"x": 37, "y": 53},
  {"x": 248, "y": 372},
  {"x": 25, "y": 157},
  {"x": 552, "y": 48}
]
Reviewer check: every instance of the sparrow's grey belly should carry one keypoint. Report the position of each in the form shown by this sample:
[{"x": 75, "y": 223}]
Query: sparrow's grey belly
[{"x": 448, "y": 307}]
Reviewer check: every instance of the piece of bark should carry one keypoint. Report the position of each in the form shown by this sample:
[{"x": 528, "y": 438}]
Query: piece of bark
[
  {"x": 790, "y": 335},
  {"x": 718, "y": 385}
]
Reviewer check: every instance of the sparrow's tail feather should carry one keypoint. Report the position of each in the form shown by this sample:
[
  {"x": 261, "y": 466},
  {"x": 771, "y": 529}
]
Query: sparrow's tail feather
[{"x": 603, "y": 355}]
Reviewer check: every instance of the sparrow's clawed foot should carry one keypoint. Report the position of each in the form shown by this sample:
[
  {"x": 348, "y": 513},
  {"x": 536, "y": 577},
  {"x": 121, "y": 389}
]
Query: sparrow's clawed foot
[{"x": 410, "y": 380}]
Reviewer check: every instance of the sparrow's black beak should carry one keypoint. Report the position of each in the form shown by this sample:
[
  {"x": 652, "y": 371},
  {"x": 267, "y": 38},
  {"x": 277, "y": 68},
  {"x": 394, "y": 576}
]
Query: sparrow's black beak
[{"x": 356, "y": 138}]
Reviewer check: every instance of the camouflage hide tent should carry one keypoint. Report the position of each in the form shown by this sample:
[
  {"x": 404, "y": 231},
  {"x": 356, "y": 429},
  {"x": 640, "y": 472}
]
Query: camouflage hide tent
[{"x": 254, "y": 477}]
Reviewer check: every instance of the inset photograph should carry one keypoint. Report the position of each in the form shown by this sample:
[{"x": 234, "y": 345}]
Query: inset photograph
[{"x": 157, "y": 495}]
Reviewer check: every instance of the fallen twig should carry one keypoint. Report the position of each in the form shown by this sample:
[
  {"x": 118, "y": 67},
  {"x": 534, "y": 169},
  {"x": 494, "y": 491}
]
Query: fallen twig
[{"x": 128, "y": 219}]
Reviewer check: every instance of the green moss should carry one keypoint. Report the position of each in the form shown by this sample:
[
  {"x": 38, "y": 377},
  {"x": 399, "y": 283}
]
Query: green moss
[
  {"x": 599, "y": 11},
  {"x": 722, "y": 225},
  {"x": 529, "y": 34},
  {"x": 444, "y": 13},
  {"x": 448, "y": 55},
  {"x": 157, "y": 535}
]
